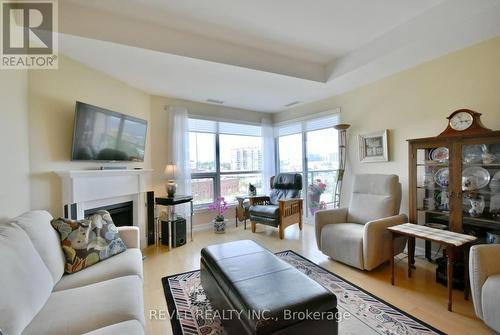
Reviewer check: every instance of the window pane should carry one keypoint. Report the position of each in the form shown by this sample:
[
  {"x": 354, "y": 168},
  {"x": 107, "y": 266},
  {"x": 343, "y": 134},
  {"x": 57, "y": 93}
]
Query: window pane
[
  {"x": 233, "y": 185},
  {"x": 290, "y": 152},
  {"x": 322, "y": 150},
  {"x": 320, "y": 189},
  {"x": 201, "y": 152},
  {"x": 240, "y": 153},
  {"x": 203, "y": 191}
]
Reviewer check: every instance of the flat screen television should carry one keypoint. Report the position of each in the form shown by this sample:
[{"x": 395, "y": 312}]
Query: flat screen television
[{"x": 103, "y": 135}]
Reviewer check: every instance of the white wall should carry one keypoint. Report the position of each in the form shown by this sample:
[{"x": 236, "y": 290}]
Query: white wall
[{"x": 14, "y": 150}]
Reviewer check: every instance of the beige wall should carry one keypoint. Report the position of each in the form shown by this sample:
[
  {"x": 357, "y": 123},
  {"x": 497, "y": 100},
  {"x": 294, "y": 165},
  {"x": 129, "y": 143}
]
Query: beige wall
[
  {"x": 161, "y": 128},
  {"x": 415, "y": 103},
  {"x": 14, "y": 150},
  {"x": 52, "y": 95}
]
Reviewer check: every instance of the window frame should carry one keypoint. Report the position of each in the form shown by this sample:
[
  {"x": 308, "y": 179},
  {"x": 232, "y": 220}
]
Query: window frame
[
  {"x": 217, "y": 174},
  {"x": 305, "y": 168}
]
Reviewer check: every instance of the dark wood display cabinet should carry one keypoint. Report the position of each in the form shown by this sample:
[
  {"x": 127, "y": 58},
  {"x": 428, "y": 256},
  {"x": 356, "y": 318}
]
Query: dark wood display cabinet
[{"x": 454, "y": 178}]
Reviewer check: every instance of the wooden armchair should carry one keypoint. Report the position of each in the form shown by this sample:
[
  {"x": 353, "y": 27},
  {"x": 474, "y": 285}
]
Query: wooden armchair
[{"x": 283, "y": 207}]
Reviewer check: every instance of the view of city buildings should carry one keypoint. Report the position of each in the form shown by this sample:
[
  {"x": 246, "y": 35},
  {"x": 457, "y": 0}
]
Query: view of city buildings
[
  {"x": 246, "y": 159},
  {"x": 241, "y": 159}
]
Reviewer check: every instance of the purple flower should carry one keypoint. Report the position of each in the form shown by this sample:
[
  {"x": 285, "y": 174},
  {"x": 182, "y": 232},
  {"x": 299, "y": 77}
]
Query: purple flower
[{"x": 220, "y": 206}]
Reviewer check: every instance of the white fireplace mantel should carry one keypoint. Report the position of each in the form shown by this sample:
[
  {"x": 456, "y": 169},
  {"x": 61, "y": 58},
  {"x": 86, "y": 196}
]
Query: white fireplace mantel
[
  {"x": 89, "y": 189},
  {"x": 88, "y": 185}
]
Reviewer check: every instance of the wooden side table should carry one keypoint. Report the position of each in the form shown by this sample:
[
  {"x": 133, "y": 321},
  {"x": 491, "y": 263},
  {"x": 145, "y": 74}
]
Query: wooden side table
[
  {"x": 242, "y": 213},
  {"x": 450, "y": 240}
]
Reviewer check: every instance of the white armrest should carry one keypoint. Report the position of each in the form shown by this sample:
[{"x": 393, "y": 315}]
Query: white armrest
[
  {"x": 130, "y": 236},
  {"x": 328, "y": 216},
  {"x": 483, "y": 262},
  {"x": 377, "y": 239}
]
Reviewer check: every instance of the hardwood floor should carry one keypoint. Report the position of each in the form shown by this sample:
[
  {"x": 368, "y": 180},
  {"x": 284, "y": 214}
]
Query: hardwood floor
[{"x": 419, "y": 296}]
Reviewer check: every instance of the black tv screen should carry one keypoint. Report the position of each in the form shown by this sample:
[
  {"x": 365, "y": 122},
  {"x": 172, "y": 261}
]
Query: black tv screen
[{"x": 102, "y": 135}]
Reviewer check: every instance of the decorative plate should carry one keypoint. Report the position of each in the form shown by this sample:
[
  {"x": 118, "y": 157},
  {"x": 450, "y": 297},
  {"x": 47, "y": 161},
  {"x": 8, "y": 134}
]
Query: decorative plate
[
  {"x": 440, "y": 154},
  {"x": 480, "y": 177},
  {"x": 441, "y": 177}
]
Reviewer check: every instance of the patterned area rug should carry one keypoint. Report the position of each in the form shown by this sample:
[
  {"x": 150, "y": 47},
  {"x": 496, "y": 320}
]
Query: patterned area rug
[{"x": 189, "y": 307}]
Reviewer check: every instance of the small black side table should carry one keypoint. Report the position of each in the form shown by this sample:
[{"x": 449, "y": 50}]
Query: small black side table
[{"x": 170, "y": 203}]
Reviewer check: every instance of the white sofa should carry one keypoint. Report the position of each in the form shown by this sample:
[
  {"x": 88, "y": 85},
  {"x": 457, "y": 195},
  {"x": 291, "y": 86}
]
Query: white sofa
[
  {"x": 36, "y": 297},
  {"x": 484, "y": 272}
]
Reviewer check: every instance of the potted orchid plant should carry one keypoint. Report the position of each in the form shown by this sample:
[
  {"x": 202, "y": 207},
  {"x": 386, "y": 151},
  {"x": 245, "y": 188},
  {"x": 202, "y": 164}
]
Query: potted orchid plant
[{"x": 220, "y": 206}]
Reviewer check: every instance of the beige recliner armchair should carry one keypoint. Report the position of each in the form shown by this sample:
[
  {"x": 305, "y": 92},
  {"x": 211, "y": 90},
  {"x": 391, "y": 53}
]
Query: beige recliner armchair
[
  {"x": 357, "y": 235},
  {"x": 484, "y": 271}
]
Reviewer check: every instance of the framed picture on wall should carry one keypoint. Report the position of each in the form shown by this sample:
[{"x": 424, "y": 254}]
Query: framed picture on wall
[{"x": 373, "y": 147}]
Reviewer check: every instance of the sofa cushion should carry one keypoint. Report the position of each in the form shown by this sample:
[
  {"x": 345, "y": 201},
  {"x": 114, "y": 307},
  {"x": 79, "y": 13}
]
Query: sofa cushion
[
  {"x": 25, "y": 282},
  {"x": 491, "y": 302},
  {"x": 84, "y": 309},
  {"x": 131, "y": 327},
  {"x": 125, "y": 264},
  {"x": 344, "y": 243},
  {"x": 88, "y": 241},
  {"x": 46, "y": 241}
]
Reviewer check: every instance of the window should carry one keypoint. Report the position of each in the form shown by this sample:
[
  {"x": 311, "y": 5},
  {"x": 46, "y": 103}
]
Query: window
[
  {"x": 322, "y": 164},
  {"x": 310, "y": 147},
  {"x": 290, "y": 153},
  {"x": 224, "y": 158},
  {"x": 202, "y": 152}
]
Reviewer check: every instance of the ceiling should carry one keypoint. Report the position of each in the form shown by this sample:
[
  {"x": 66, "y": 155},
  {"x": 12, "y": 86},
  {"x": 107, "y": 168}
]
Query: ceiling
[{"x": 262, "y": 55}]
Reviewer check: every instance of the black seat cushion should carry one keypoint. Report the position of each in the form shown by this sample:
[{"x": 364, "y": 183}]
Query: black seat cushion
[{"x": 268, "y": 211}]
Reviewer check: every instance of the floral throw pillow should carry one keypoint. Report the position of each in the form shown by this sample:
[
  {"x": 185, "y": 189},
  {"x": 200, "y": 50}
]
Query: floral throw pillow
[{"x": 86, "y": 242}]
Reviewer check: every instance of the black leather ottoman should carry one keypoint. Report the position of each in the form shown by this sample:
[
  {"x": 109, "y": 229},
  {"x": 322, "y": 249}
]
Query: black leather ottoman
[{"x": 255, "y": 292}]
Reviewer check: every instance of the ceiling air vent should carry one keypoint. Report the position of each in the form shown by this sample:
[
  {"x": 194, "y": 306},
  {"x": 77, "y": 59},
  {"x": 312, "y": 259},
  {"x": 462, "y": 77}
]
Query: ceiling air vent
[
  {"x": 215, "y": 101},
  {"x": 293, "y": 103}
]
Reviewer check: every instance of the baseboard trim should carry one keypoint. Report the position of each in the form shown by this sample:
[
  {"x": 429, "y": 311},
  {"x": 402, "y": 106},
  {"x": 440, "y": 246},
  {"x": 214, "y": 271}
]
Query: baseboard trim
[{"x": 209, "y": 226}]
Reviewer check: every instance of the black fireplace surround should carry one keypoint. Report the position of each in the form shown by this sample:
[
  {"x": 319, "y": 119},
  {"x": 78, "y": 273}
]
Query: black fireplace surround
[{"x": 122, "y": 213}]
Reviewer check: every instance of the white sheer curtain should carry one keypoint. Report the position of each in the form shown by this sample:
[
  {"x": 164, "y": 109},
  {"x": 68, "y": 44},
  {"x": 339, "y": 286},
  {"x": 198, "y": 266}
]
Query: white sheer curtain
[
  {"x": 268, "y": 157},
  {"x": 180, "y": 149}
]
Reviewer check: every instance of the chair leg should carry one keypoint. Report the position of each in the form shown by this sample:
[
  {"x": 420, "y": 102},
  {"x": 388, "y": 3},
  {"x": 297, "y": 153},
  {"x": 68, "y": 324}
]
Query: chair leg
[
  {"x": 281, "y": 231},
  {"x": 254, "y": 226}
]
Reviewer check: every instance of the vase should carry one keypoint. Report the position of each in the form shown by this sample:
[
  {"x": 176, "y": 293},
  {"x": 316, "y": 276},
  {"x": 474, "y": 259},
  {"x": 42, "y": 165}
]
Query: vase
[
  {"x": 476, "y": 206},
  {"x": 219, "y": 226}
]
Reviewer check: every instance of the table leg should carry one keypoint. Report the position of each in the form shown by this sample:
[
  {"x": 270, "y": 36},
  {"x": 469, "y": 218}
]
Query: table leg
[
  {"x": 236, "y": 216},
  {"x": 412, "y": 259},
  {"x": 466, "y": 271},
  {"x": 450, "y": 252},
  {"x": 191, "y": 221},
  {"x": 392, "y": 257},
  {"x": 411, "y": 255}
]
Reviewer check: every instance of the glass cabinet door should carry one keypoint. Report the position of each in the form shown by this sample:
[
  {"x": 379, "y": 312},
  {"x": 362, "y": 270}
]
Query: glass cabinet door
[
  {"x": 433, "y": 187},
  {"x": 481, "y": 190}
]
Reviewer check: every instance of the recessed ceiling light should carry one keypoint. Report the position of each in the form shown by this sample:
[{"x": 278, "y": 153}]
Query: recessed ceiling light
[
  {"x": 293, "y": 103},
  {"x": 215, "y": 101}
]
